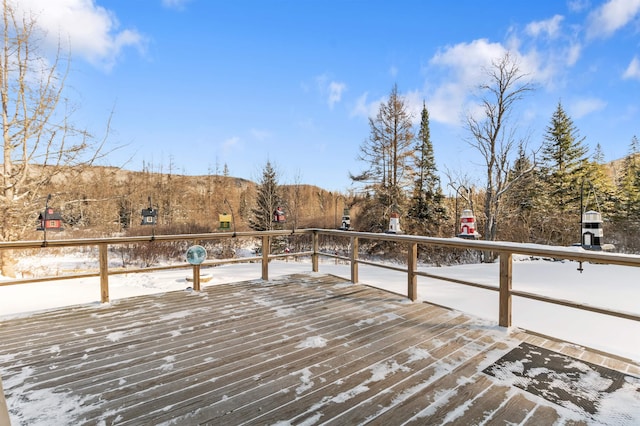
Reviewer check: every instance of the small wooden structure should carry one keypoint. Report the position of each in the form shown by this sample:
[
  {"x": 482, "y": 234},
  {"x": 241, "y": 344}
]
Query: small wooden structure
[
  {"x": 592, "y": 230},
  {"x": 394, "y": 223},
  {"x": 468, "y": 225},
  {"x": 346, "y": 220},
  {"x": 49, "y": 220},
  {"x": 225, "y": 221},
  {"x": 279, "y": 216}
]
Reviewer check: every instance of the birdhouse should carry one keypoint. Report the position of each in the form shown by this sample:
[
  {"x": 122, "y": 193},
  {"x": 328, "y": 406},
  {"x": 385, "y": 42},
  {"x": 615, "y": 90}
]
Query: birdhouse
[
  {"x": 279, "y": 216},
  {"x": 225, "y": 221},
  {"x": 149, "y": 216},
  {"x": 346, "y": 220},
  {"x": 592, "y": 230},
  {"x": 468, "y": 225},
  {"x": 49, "y": 220},
  {"x": 394, "y": 223}
]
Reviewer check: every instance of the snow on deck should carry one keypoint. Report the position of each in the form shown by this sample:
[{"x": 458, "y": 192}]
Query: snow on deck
[{"x": 301, "y": 349}]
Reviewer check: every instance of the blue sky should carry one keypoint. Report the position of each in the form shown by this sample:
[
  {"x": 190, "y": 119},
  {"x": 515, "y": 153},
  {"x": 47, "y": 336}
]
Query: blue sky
[{"x": 197, "y": 84}]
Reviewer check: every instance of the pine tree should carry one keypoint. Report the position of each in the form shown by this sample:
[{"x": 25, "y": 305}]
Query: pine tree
[
  {"x": 268, "y": 199},
  {"x": 564, "y": 160},
  {"x": 629, "y": 183},
  {"x": 520, "y": 202},
  {"x": 426, "y": 211},
  {"x": 598, "y": 189},
  {"x": 563, "y": 173}
]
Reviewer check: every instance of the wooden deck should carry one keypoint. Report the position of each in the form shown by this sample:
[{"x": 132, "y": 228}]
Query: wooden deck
[{"x": 302, "y": 349}]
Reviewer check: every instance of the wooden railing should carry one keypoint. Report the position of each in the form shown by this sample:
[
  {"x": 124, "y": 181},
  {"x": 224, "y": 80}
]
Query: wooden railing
[{"x": 505, "y": 250}]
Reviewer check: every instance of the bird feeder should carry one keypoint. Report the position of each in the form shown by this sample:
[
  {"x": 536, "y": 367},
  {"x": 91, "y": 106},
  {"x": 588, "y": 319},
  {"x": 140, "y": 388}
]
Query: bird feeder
[
  {"x": 346, "y": 220},
  {"x": 394, "y": 223},
  {"x": 592, "y": 230},
  {"x": 149, "y": 215},
  {"x": 225, "y": 221},
  {"x": 49, "y": 220},
  {"x": 468, "y": 225},
  {"x": 279, "y": 216}
]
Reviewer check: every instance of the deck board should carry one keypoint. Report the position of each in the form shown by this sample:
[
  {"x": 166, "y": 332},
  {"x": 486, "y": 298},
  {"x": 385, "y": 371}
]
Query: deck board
[{"x": 305, "y": 348}]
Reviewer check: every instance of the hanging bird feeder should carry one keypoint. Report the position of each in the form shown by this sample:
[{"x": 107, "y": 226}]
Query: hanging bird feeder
[
  {"x": 279, "y": 216},
  {"x": 468, "y": 225}
]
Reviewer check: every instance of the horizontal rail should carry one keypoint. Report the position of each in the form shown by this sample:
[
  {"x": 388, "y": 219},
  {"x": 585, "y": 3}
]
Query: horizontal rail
[{"x": 504, "y": 249}]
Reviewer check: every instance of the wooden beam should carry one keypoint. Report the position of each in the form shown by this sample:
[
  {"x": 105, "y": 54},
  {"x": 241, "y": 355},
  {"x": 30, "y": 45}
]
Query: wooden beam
[
  {"x": 314, "y": 256},
  {"x": 354, "y": 260},
  {"x": 412, "y": 278},
  {"x": 4, "y": 411},
  {"x": 104, "y": 272},
  {"x": 265, "y": 257},
  {"x": 505, "y": 289},
  {"x": 196, "y": 277}
]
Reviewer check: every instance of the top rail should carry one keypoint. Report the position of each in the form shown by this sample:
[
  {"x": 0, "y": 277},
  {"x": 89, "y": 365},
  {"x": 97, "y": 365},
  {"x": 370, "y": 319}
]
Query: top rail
[{"x": 506, "y": 250}]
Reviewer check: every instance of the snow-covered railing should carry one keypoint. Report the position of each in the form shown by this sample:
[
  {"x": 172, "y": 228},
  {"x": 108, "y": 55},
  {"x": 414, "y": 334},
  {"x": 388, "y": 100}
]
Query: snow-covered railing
[{"x": 505, "y": 250}]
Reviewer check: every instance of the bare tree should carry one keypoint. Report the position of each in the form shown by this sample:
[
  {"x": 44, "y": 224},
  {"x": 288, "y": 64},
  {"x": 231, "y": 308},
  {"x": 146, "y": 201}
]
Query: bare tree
[
  {"x": 494, "y": 138},
  {"x": 39, "y": 139},
  {"x": 388, "y": 151}
]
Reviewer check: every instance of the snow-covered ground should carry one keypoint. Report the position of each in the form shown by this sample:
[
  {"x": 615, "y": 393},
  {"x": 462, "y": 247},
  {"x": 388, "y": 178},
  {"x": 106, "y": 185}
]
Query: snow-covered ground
[{"x": 614, "y": 287}]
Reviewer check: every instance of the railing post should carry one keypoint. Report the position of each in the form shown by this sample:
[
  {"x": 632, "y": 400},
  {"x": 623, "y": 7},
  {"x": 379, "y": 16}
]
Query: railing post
[
  {"x": 4, "y": 410},
  {"x": 314, "y": 256},
  {"x": 196, "y": 277},
  {"x": 104, "y": 273},
  {"x": 505, "y": 289},
  {"x": 354, "y": 260},
  {"x": 265, "y": 257},
  {"x": 412, "y": 278}
]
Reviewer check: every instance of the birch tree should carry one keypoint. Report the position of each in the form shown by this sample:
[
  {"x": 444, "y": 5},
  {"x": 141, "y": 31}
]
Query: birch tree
[
  {"x": 39, "y": 139},
  {"x": 493, "y": 136}
]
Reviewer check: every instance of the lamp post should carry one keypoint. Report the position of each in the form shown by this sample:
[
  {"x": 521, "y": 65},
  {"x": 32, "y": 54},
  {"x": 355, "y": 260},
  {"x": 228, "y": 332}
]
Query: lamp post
[
  {"x": 457, "y": 190},
  {"x": 335, "y": 210},
  {"x": 44, "y": 220},
  {"x": 233, "y": 220}
]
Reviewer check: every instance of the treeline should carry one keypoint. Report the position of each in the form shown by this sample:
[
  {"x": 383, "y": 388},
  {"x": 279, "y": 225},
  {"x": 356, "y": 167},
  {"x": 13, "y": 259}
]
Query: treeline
[{"x": 532, "y": 191}]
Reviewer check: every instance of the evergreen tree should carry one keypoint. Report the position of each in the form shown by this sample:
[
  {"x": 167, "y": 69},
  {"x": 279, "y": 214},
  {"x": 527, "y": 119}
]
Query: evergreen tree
[
  {"x": 629, "y": 183},
  {"x": 598, "y": 189},
  {"x": 268, "y": 199},
  {"x": 564, "y": 160},
  {"x": 564, "y": 173},
  {"x": 520, "y": 202},
  {"x": 426, "y": 210}
]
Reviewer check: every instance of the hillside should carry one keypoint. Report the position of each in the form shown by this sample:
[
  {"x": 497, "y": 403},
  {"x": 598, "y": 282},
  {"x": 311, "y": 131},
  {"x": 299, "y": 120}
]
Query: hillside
[{"x": 110, "y": 199}]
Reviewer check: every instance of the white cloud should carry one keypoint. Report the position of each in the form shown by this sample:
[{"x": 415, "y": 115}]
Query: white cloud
[
  {"x": 92, "y": 31},
  {"x": 578, "y": 5},
  {"x": 469, "y": 60},
  {"x": 573, "y": 53},
  {"x": 331, "y": 89},
  {"x": 335, "y": 92},
  {"x": 549, "y": 27},
  {"x": 260, "y": 135},
  {"x": 365, "y": 109},
  {"x": 633, "y": 70},
  {"x": 175, "y": 4},
  {"x": 583, "y": 107},
  {"x": 465, "y": 67},
  {"x": 611, "y": 16},
  {"x": 229, "y": 145}
]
